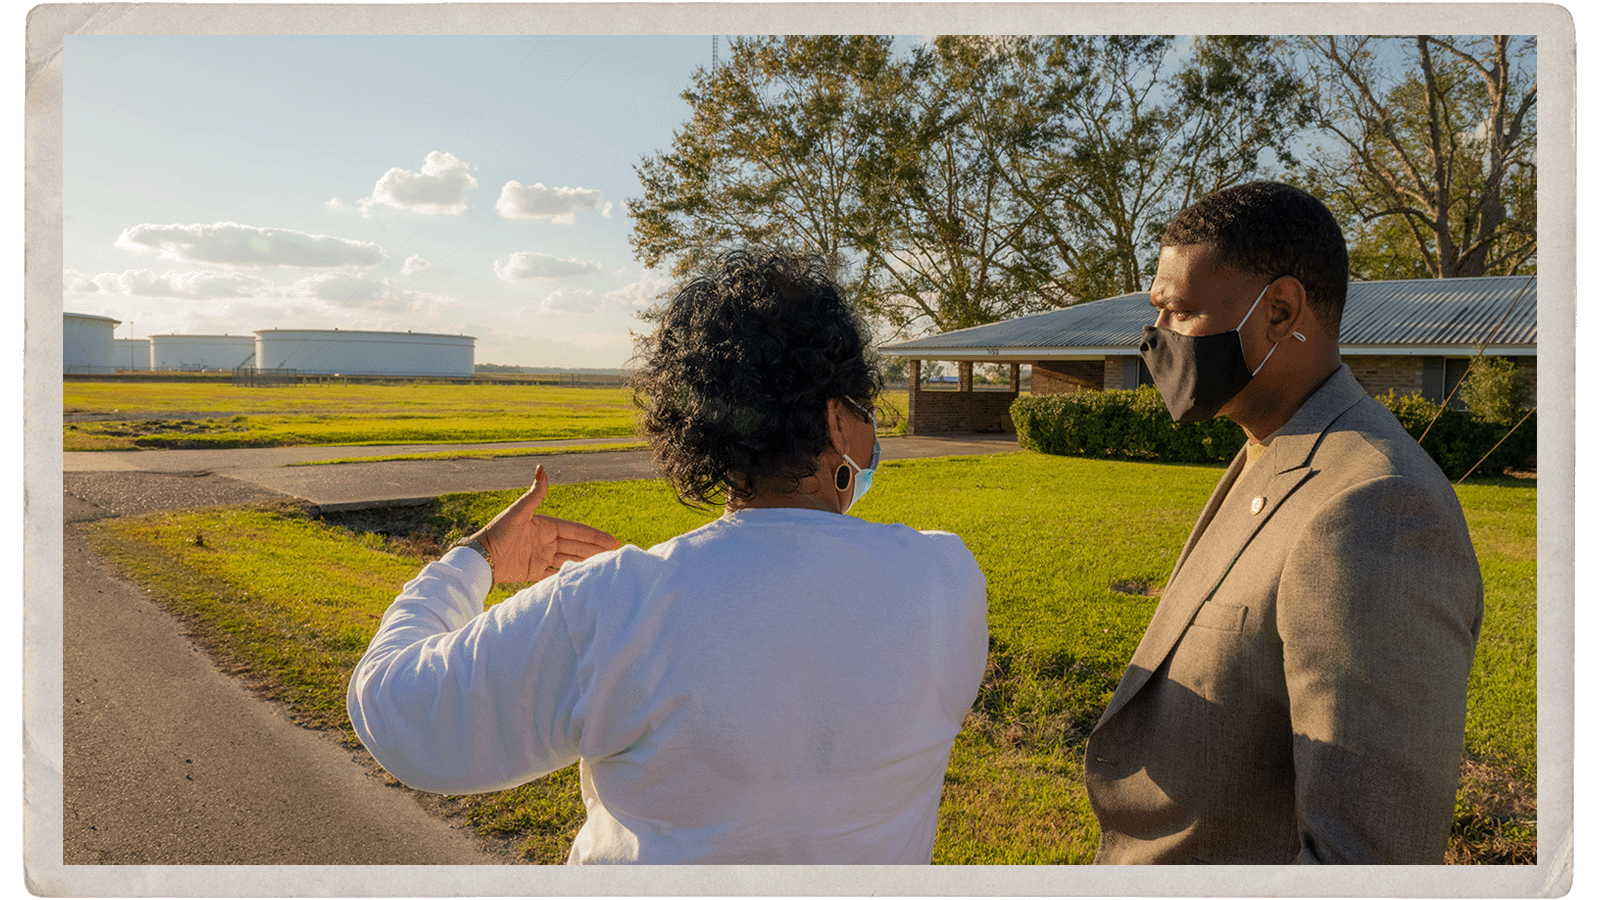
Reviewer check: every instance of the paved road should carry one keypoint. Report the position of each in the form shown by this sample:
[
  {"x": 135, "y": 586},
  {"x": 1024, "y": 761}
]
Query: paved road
[
  {"x": 124, "y": 479},
  {"x": 168, "y": 760}
]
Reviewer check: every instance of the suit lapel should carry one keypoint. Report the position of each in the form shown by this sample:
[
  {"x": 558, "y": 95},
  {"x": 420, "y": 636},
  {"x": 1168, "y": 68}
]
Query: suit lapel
[{"x": 1226, "y": 526}]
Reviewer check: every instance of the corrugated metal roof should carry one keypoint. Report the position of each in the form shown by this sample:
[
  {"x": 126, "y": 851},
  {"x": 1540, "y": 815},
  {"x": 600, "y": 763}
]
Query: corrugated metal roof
[{"x": 1460, "y": 312}]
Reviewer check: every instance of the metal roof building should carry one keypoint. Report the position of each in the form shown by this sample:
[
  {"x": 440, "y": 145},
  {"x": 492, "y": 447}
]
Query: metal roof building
[
  {"x": 1436, "y": 316},
  {"x": 1408, "y": 336}
]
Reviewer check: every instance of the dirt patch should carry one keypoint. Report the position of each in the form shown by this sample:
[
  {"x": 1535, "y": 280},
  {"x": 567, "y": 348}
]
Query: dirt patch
[
  {"x": 406, "y": 530},
  {"x": 1497, "y": 817},
  {"x": 1138, "y": 587},
  {"x": 161, "y": 427}
]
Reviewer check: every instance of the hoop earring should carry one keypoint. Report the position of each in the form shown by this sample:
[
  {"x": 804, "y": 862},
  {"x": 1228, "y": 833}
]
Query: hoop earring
[{"x": 841, "y": 477}]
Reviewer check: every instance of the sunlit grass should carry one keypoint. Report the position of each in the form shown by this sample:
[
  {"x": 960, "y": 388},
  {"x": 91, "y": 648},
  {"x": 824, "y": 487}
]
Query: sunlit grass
[
  {"x": 219, "y": 415},
  {"x": 1067, "y": 546}
]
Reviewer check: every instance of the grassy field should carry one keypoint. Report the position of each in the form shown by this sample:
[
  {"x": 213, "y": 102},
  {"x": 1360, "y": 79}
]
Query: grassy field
[
  {"x": 1070, "y": 547},
  {"x": 218, "y": 415}
]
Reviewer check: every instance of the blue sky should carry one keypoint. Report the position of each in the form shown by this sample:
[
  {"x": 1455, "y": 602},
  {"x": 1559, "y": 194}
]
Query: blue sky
[{"x": 466, "y": 185}]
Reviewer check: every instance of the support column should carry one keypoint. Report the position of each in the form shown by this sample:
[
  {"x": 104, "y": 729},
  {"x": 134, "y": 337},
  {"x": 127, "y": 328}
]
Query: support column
[
  {"x": 964, "y": 377},
  {"x": 1016, "y": 378},
  {"x": 914, "y": 391}
]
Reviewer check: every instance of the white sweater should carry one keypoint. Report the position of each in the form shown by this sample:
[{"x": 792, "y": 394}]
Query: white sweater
[{"x": 778, "y": 686}]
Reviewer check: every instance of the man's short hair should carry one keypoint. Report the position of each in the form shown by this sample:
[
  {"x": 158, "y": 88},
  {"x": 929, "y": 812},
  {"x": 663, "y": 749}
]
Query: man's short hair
[{"x": 1271, "y": 229}]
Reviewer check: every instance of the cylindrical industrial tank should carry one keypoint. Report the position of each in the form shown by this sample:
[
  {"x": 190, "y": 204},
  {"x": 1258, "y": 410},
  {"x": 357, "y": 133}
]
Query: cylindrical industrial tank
[
  {"x": 133, "y": 353},
  {"x": 336, "y": 352},
  {"x": 192, "y": 352},
  {"x": 87, "y": 343}
]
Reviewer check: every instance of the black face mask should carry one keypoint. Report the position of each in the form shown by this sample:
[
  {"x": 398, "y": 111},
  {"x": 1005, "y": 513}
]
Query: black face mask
[{"x": 1197, "y": 375}]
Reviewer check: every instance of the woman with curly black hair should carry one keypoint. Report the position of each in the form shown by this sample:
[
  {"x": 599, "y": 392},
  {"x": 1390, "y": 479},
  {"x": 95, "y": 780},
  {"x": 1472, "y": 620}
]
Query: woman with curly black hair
[{"x": 782, "y": 685}]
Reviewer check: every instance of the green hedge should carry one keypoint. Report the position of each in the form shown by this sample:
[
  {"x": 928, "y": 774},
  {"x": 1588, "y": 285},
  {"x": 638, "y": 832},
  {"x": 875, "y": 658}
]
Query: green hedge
[
  {"x": 1119, "y": 424},
  {"x": 1136, "y": 425},
  {"x": 1457, "y": 440}
]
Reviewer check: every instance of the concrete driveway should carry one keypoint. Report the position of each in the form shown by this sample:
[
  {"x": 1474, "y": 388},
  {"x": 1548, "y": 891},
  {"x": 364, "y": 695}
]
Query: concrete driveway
[{"x": 126, "y": 479}]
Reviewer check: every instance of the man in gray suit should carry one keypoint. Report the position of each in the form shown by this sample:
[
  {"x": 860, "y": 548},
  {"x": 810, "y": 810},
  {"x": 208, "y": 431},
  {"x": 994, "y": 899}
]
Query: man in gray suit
[{"x": 1300, "y": 693}]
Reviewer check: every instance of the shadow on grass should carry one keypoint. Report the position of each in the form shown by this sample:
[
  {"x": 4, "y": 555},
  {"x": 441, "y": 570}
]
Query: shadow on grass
[{"x": 1017, "y": 765}]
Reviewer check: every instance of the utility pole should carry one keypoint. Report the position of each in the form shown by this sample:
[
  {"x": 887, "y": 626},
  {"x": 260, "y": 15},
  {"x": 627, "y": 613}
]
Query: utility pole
[{"x": 714, "y": 55}]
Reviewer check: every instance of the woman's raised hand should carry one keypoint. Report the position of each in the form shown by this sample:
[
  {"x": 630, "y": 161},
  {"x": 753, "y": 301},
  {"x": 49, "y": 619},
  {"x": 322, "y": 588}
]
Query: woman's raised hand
[{"x": 525, "y": 546}]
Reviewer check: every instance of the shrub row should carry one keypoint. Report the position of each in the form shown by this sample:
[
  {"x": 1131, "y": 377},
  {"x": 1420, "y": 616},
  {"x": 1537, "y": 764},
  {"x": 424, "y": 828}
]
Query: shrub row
[
  {"x": 1136, "y": 425},
  {"x": 1119, "y": 424},
  {"x": 1457, "y": 440}
]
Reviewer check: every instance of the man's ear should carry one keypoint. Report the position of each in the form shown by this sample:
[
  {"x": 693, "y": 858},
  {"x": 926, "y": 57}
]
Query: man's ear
[{"x": 1287, "y": 308}]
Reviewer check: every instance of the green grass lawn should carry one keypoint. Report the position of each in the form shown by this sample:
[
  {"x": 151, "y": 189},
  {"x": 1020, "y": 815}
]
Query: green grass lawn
[
  {"x": 1067, "y": 544},
  {"x": 220, "y": 415}
]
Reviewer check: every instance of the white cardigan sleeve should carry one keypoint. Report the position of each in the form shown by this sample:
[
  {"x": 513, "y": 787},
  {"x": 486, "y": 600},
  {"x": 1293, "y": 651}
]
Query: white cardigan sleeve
[{"x": 454, "y": 699}]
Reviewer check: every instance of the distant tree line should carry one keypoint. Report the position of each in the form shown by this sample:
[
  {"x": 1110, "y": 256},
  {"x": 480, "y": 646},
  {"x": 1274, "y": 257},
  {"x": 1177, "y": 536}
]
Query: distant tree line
[{"x": 972, "y": 179}]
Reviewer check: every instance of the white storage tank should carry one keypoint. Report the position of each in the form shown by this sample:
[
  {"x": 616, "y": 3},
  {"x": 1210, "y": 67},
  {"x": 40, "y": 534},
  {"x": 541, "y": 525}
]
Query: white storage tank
[
  {"x": 133, "y": 353},
  {"x": 336, "y": 352},
  {"x": 87, "y": 343},
  {"x": 193, "y": 352}
]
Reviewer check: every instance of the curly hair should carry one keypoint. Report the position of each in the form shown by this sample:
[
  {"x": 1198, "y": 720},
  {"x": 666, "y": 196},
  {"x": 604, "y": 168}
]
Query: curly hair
[
  {"x": 733, "y": 386},
  {"x": 1271, "y": 229}
]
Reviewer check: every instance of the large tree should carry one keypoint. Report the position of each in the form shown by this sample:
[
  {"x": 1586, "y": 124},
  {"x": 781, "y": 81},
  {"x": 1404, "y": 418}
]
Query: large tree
[
  {"x": 1126, "y": 130},
  {"x": 971, "y": 178},
  {"x": 951, "y": 241},
  {"x": 1432, "y": 163},
  {"x": 769, "y": 156}
]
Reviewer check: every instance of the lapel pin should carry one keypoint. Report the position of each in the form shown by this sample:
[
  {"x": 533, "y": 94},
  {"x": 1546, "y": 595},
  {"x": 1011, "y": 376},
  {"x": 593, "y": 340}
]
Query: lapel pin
[{"x": 1257, "y": 505}]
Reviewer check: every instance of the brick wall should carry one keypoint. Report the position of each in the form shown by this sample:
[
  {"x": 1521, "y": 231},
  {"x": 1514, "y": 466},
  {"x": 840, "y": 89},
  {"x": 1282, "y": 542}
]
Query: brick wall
[
  {"x": 1404, "y": 374},
  {"x": 1067, "y": 376},
  {"x": 1380, "y": 374},
  {"x": 937, "y": 412}
]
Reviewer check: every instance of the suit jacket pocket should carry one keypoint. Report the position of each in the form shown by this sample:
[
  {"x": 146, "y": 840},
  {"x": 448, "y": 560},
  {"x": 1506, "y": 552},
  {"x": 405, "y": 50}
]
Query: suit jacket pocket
[{"x": 1220, "y": 616}]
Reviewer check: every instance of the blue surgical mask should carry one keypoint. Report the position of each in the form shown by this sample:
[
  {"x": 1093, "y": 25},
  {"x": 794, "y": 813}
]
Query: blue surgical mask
[{"x": 863, "y": 476}]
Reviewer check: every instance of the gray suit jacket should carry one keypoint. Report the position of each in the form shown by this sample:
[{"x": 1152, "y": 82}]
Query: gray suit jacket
[{"x": 1300, "y": 692}]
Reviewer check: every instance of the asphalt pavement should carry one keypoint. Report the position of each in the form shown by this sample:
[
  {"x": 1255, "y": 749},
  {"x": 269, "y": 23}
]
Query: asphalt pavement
[
  {"x": 126, "y": 479},
  {"x": 169, "y": 761}
]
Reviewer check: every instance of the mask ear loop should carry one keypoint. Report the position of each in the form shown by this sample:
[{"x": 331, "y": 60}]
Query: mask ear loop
[{"x": 1247, "y": 318}]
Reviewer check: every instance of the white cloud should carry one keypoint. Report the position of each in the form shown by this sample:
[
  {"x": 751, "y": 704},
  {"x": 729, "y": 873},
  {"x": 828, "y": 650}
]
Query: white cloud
[
  {"x": 413, "y": 265},
  {"x": 440, "y": 188},
  {"x": 246, "y": 246},
  {"x": 348, "y": 291},
  {"x": 204, "y": 285},
  {"x": 629, "y": 298},
  {"x": 526, "y": 264},
  {"x": 558, "y": 204},
  {"x": 641, "y": 294},
  {"x": 75, "y": 282},
  {"x": 570, "y": 300}
]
